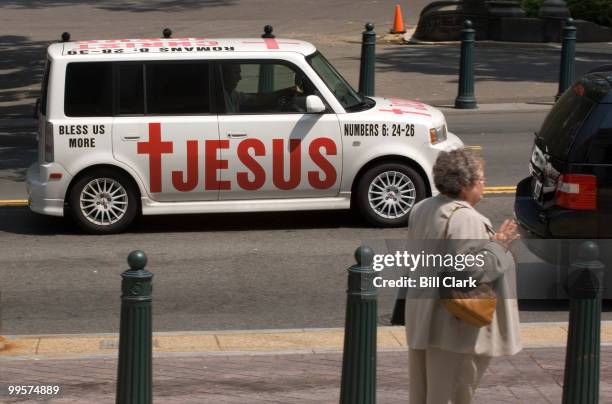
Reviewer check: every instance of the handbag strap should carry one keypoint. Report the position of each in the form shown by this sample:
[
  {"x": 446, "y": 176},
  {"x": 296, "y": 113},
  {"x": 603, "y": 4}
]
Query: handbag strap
[{"x": 455, "y": 208}]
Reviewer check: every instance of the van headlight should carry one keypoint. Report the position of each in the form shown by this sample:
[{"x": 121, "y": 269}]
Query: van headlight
[{"x": 437, "y": 135}]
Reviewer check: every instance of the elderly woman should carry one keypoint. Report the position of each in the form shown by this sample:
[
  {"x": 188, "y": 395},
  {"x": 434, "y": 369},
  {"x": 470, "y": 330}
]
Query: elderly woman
[{"x": 447, "y": 355}]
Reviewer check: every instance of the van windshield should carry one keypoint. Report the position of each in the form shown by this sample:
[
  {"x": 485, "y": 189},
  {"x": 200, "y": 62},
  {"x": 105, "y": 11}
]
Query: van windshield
[
  {"x": 562, "y": 124},
  {"x": 346, "y": 95}
]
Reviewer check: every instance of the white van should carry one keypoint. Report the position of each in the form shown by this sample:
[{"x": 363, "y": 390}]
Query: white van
[{"x": 194, "y": 125}]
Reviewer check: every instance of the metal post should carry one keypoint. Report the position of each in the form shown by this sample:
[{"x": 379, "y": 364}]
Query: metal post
[
  {"x": 465, "y": 99},
  {"x": 368, "y": 61},
  {"x": 135, "y": 378},
  {"x": 266, "y": 71},
  {"x": 167, "y": 33},
  {"x": 582, "y": 360},
  {"x": 268, "y": 32},
  {"x": 568, "y": 55},
  {"x": 358, "y": 385}
]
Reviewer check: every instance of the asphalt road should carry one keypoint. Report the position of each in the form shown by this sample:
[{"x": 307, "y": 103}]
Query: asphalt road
[
  {"x": 224, "y": 271},
  {"x": 504, "y": 72}
]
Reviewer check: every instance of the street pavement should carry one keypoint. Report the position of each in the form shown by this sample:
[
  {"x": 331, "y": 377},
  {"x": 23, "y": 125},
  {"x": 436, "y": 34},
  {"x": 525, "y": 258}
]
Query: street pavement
[
  {"x": 533, "y": 376},
  {"x": 526, "y": 73}
]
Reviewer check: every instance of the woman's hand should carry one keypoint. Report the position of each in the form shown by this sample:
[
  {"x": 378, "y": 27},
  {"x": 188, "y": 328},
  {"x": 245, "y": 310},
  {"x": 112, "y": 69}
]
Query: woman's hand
[{"x": 506, "y": 234}]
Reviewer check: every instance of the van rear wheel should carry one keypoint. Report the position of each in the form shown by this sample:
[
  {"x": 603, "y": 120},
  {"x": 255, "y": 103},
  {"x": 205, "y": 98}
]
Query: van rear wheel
[
  {"x": 387, "y": 192},
  {"x": 103, "y": 202}
]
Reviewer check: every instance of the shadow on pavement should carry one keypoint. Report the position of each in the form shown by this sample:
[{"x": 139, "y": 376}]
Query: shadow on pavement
[
  {"x": 22, "y": 63},
  {"x": 20, "y": 220},
  {"x": 18, "y": 150},
  {"x": 139, "y": 6},
  {"x": 501, "y": 63}
]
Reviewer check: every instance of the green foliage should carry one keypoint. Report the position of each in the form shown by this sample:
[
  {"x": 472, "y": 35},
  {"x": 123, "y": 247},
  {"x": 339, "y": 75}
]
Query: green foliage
[
  {"x": 597, "y": 11},
  {"x": 531, "y": 7}
]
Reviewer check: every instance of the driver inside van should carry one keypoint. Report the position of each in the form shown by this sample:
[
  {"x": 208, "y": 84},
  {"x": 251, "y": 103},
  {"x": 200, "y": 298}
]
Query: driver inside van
[{"x": 238, "y": 101}]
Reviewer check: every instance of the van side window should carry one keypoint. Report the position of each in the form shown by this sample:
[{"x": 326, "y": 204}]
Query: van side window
[
  {"x": 131, "y": 89},
  {"x": 264, "y": 88},
  {"x": 177, "y": 88},
  {"x": 89, "y": 89}
]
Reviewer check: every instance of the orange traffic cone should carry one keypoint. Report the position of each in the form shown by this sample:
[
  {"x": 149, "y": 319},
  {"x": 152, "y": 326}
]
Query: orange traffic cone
[{"x": 398, "y": 23}]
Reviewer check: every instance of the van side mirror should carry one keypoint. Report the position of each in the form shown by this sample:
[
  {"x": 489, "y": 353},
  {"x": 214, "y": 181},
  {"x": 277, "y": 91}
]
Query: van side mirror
[{"x": 314, "y": 105}]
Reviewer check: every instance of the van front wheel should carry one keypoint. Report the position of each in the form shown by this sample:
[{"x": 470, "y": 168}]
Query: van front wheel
[
  {"x": 103, "y": 202},
  {"x": 387, "y": 192}
]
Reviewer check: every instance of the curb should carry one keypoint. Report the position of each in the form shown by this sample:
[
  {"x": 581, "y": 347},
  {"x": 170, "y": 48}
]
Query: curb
[
  {"x": 497, "y": 108},
  {"x": 488, "y": 44},
  {"x": 13, "y": 202},
  {"x": 248, "y": 342}
]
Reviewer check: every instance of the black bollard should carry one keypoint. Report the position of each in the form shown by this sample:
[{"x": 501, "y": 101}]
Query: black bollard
[
  {"x": 268, "y": 32},
  {"x": 167, "y": 33},
  {"x": 65, "y": 36},
  {"x": 358, "y": 385},
  {"x": 368, "y": 61},
  {"x": 266, "y": 74},
  {"x": 465, "y": 99},
  {"x": 135, "y": 376},
  {"x": 582, "y": 357},
  {"x": 568, "y": 56}
]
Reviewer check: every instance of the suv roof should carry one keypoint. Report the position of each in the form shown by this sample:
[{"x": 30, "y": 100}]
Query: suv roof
[
  {"x": 175, "y": 45},
  {"x": 597, "y": 86}
]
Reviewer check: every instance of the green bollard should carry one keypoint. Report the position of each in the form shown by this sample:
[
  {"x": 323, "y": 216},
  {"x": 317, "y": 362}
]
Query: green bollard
[
  {"x": 358, "y": 385},
  {"x": 568, "y": 56},
  {"x": 465, "y": 99},
  {"x": 368, "y": 61},
  {"x": 266, "y": 73},
  {"x": 582, "y": 360},
  {"x": 268, "y": 32},
  {"x": 135, "y": 377}
]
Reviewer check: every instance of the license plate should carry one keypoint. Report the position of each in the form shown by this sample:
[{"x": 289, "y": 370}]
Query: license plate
[{"x": 537, "y": 190}]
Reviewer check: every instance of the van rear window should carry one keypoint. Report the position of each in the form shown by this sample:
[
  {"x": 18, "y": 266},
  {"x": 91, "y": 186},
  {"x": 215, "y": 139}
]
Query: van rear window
[
  {"x": 562, "y": 124},
  {"x": 89, "y": 89},
  {"x": 177, "y": 88},
  {"x": 131, "y": 89}
]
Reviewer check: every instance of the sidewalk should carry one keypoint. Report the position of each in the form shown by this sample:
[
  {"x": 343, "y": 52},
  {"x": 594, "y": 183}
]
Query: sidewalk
[
  {"x": 533, "y": 376},
  {"x": 274, "y": 366}
]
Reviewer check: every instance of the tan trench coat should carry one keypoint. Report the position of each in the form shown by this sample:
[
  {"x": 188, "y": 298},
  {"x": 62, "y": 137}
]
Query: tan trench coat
[{"x": 428, "y": 324}]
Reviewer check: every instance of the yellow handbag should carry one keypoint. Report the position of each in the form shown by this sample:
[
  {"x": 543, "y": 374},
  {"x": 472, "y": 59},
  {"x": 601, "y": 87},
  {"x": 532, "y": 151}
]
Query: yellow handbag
[{"x": 475, "y": 306}]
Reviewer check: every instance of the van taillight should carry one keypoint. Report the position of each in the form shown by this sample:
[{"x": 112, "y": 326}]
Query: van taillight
[
  {"x": 49, "y": 142},
  {"x": 577, "y": 191}
]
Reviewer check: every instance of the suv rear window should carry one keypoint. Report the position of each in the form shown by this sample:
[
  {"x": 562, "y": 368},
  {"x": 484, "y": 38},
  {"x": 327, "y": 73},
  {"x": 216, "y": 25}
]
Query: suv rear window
[
  {"x": 89, "y": 89},
  {"x": 564, "y": 121}
]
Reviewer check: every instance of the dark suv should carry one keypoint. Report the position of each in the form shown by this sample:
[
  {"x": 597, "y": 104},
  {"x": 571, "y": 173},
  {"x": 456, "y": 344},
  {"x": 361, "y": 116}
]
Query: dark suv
[
  {"x": 568, "y": 196},
  {"x": 569, "y": 192}
]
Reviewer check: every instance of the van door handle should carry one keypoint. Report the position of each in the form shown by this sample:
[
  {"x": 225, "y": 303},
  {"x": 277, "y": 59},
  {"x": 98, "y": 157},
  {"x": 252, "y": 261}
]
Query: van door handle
[
  {"x": 131, "y": 138},
  {"x": 236, "y": 135}
]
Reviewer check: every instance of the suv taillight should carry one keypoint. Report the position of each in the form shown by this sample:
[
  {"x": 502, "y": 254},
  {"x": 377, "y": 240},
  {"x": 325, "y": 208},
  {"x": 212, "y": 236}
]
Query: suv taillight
[
  {"x": 577, "y": 191},
  {"x": 49, "y": 142}
]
